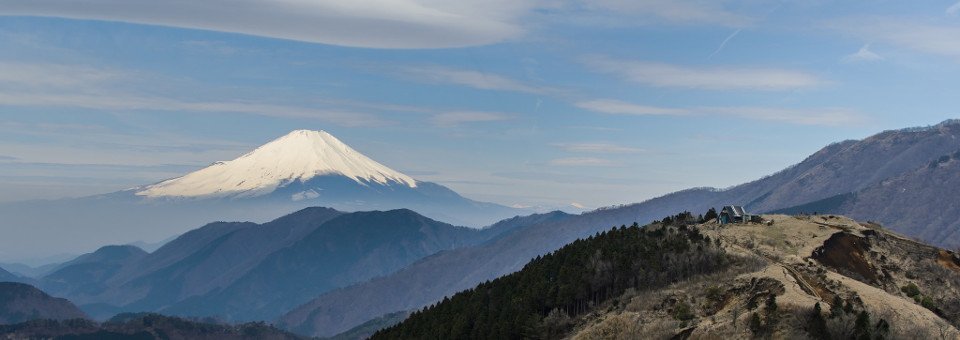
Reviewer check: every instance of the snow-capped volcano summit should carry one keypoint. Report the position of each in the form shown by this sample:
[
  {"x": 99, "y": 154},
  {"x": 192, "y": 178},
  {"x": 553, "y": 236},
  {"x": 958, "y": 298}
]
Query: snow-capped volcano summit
[
  {"x": 299, "y": 156},
  {"x": 301, "y": 169},
  {"x": 307, "y": 168}
]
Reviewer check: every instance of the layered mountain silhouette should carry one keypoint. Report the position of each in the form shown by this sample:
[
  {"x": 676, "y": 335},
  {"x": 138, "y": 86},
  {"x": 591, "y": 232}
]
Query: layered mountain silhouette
[
  {"x": 445, "y": 273},
  {"x": 6, "y": 276},
  {"x": 876, "y": 174},
  {"x": 919, "y": 203},
  {"x": 21, "y": 302},
  {"x": 87, "y": 274},
  {"x": 249, "y": 271},
  {"x": 301, "y": 169},
  {"x": 344, "y": 269}
]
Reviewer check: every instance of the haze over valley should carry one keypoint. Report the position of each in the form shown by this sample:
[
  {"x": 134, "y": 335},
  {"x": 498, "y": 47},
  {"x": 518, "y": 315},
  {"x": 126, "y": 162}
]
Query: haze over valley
[{"x": 479, "y": 170}]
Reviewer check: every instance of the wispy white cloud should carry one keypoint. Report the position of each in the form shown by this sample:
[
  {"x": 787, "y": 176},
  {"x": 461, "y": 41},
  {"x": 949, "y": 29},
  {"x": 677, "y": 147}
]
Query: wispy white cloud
[
  {"x": 614, "y": 106},
  {"x": 953, "y": 10},
  {"x": 821, "y": 116},
  {"x": 601, "y": 148},
  {"x": 913, "y": 35},
  {"x": 724, "y": 43},
  {"x": 48, "y": 76},
  {"x": 708, "y": 78},
  {"x": 475, "y": 79},
  {"x": 151, "y": 152},
  {"x": 864, "y": 54},
  {"x": 79, "y": 86},
  {"x": 54, "y": 127},
  {"x": 214, "y": 47},
  {"x": 378, "y": 23},
  {"x": 69, "y": 144},
  {"x": 456, "y": 119},
  {"x": 679, "y": 11},
  {"x": 585, "y": 161},
  {"x": 358, "y": 23},
  {"x": 123, "y": 102}
]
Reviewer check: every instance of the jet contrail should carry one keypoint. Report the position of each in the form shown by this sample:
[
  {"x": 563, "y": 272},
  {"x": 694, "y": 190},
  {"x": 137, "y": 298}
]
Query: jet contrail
[
  {"x": 953, "y": 9},
  {"x": 725, "y": 42}
]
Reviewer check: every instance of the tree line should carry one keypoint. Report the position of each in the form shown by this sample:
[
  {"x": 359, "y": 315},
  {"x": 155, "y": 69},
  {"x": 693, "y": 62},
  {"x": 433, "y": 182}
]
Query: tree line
[{"x": 567, "y": 283}]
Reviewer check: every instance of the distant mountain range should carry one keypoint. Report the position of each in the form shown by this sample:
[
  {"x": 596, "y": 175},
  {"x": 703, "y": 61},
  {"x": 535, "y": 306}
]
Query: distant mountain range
[
  {"x": 21, "y": 302},
  {"x": 447, "y": 272},
  {"x": 8, "y": 276},
  {"x": 86, "y": 275},
  {"x": 919, "y": 203},
  {"x": 344, "y": 269},
  {"x": 301, "y": 169},
  {"x": 248, "y": 271},
  {"x": 890, "y": 177}
]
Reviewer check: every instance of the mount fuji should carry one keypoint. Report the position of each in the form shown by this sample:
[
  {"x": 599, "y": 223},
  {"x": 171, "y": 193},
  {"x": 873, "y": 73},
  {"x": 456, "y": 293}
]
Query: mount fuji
[
  {"x": 301, "y": 169},
  {"x": 291, "y": 161}
]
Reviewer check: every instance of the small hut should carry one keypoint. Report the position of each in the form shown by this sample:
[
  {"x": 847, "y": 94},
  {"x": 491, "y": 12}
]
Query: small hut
[{"x": 733, "y": 214}]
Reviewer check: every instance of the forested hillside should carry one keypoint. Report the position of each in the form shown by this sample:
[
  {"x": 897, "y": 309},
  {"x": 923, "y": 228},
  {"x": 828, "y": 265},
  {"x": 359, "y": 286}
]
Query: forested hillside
[
  {"x": 143, "y": 327},
  {"x": 566, "y": 283},
  {"x": 791, "y": 277}
]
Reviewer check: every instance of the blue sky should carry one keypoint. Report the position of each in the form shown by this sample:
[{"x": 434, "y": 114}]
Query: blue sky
[{"x": 522, "y": 102}]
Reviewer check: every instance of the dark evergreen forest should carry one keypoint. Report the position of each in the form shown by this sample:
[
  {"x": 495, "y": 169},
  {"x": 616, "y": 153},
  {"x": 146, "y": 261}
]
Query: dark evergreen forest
[{"x": 570, "y": 281}]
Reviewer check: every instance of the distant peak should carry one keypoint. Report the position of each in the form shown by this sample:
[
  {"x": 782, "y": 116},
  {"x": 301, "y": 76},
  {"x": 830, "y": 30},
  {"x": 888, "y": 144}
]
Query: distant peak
[
  {"x": 297, "y": 156},
  {"x": 311, "y": 132},
  {"x": 120, "y": 249},
  {"x": 943, "y": 124},
  {"x": 308, "y": 134}
]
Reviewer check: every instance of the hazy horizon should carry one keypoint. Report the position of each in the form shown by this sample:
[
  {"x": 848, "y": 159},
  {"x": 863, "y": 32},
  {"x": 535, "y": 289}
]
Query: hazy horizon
[{"x": 527, "y": 103}]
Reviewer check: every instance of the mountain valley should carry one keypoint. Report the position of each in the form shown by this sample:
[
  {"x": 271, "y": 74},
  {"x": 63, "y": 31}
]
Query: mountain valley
[
  {"x": 299, "y": 170},
  {"x": 213, "y": 270},
  {"x": 321, "y": 271}
]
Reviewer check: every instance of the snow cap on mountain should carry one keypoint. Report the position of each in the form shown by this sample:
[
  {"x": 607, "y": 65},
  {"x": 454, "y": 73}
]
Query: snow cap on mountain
[{"x": 298, "y": 156}]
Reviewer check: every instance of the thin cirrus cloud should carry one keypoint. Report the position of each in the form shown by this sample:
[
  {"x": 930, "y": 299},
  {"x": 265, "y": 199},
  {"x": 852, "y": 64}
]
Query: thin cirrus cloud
[
  {"x": 48, "y": 76},
  {"x": 954, "y": 10},
  {"x": 598, "y": 148},
  {"x": 831, "y": 116},
  {"x": 614, "y": 106},
  {"x": 584, "y": 162},
  {"x": 395, "y": 24},
  {"x": 459, "y": 118},
  {"x": 864, "y": 54},
  {"x": 356, "y": 23},
  {"x": 112, "y": 147},
  {"x": 678, "y": 11},
  {"x": 816, "y": 117},
  {"x": 116, "y": 101},
  {"x": 660, "y": 74},
  {"x": 470, "y": 78},
  {"x": 942, "y": 39},
  {"x": 79, "y": 86}
]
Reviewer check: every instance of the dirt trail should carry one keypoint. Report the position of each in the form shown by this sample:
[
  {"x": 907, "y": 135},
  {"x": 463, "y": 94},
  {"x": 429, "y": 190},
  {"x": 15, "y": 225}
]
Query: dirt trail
[{"x": 807, "y": 287}]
